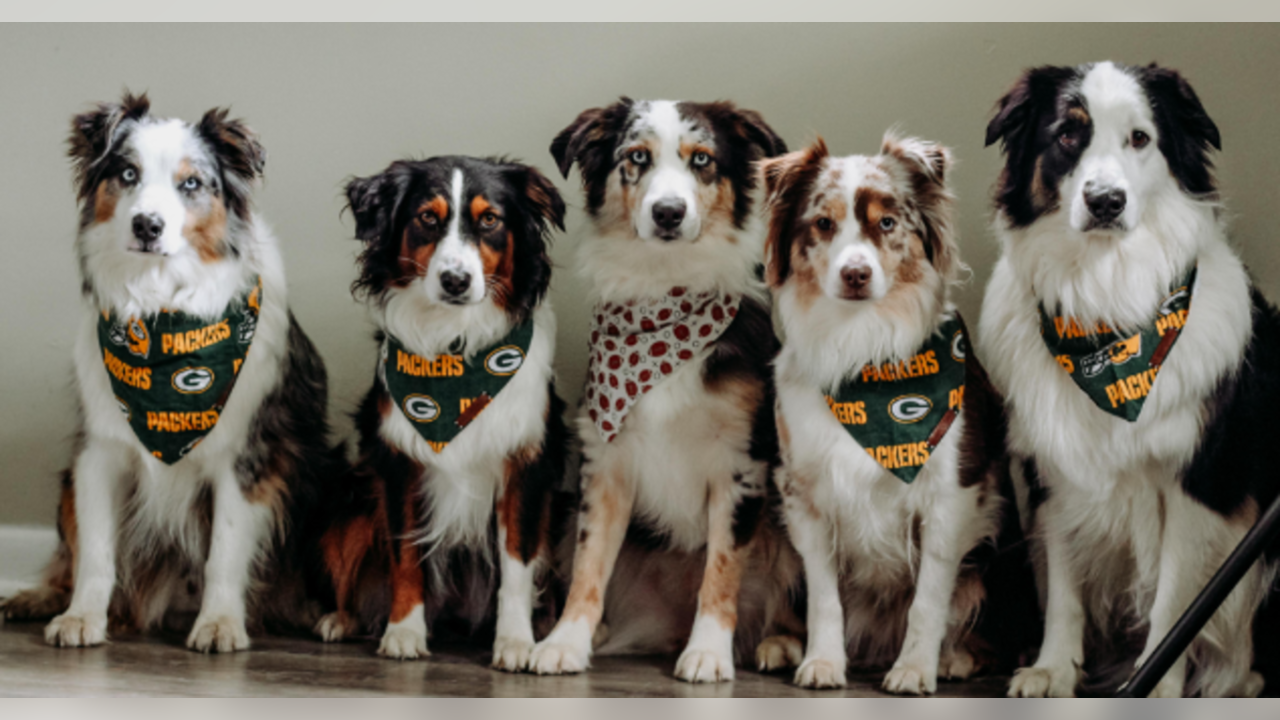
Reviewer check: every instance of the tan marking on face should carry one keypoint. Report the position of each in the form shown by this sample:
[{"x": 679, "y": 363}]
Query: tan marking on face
[
  {"x": 870, "y": 206},
  {"x": 910, "y": 269},
  {"x": 104, "y": 202},
  {"x": 479, "y": 206},
  {"x": 1078, "y": 114},
  {"x": 184, "y": 171},
  {"x": 438, "y": 206},
  {"x": 413, "y": 260},
  {"x": 207, "y": 232},
  {"x": 499, "y": 269}
]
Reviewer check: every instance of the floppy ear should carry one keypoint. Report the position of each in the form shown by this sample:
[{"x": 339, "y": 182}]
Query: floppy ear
[
  {"x": 927, "y": 165},
  {"x": 743, "y": 137},
  {"x": 542, "y": 208},
  {"x": 241, "y": 158},
  {"x": 374, "y": 202},
  {"x": 1186, "y": 130},
  {"x": 1017, "y": 113},
  {"x": 787, "y": 180},
  {"x": 95, "y": 133},
  {"x": 751, "y": 127},
  {"x": 541, "y": 195},
  {"x": 592, "y": 133}
]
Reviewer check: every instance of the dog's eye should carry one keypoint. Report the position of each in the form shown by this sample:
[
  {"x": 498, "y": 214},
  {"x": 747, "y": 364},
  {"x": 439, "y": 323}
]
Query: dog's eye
[
  {"x": 488, "y": 221},
  {"x": 429, "y": 219},
  {"x": 639, "y": 157},
  {"x": 1069, "y": 140},
  {"x": 701, "y": 159},
  {"x": 824, "y": 224},
  {"x": 887, "y": 223},
  {"x": 191, "y": 184},
  {"x": 129, "y": 176},
  {"x": 1139, "y": 139}
]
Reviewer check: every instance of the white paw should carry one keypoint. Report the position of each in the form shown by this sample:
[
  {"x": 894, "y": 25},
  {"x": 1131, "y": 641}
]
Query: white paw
[
  {"x": 821, "y": 673},
  {"x": 403, "y": 643},
  {"x": 222, "y": 634},
  {"x": 1252, "y": 686},
  {"x": 36, "y": 604},
  {"x": 335, "y": 627},
  {"x": 910, "y": 679},
  {"x": 1167, "y": 688},
  {"x": 511, "y": 654},
  {"x": 704, "y": 666},
  {"x": 1038, "y": 682},
  {"x": 958, "y": 664},
  {"x": 553, "y": 658},
  {"x": 777, "y": 652},
  {"x": 75, "y": 630}
]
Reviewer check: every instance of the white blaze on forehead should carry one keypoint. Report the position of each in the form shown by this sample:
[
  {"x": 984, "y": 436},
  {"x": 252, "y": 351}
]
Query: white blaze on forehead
[
  {"x": 160, "y": 148},
  {"x": 840, "y": 179},
  {"x": 1114, "y": 99},
  {"x": 454, "y": 254},
  {"x": 670, "y": 178}
]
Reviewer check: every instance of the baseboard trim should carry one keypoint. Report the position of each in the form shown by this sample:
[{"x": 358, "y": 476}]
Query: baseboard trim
[{"x": 24, "y": 552}]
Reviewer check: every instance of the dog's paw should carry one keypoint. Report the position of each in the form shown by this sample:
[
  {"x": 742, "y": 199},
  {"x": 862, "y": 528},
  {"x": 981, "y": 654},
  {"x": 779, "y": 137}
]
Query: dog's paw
[
  {"x": 1252, "y": 686},
  {"x": 40, "y": 603},
  {"x": 220, "y": 634},
  {"x": 1038, "y": 682},
  {"x": 778, "y": 652},
  {"x": 957, "y": 664},
  {"x": 511, "y": 654},
  {"x": 77, "y": 630},
  {"x": 910, "y": 679},
  {"x": 698, "y": 665},
  {"x": 820, "y": 673},
  {"x": 1168, "y": 687},
  {"x": 403, "y": 643},
  {"x": 556, "y": 658},
  {"x": 336, "y": 627}
]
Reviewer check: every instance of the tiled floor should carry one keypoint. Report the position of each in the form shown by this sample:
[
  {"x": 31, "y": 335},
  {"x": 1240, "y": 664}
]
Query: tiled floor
[{"x": 293, "y": 667}]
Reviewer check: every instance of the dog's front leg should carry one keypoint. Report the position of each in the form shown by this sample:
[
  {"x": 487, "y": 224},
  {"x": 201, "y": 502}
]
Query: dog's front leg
[
  {"x": 98, "y": 473},
  {"x": 240, "y": 529},
  {"x": 825, "y": 659},
  {"x": 406, "y": 635}
]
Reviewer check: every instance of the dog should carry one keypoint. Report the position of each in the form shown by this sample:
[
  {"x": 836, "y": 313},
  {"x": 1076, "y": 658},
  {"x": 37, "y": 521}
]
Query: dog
[
  {"x": 462, "y": 438},
  {"x": 202, "y": 448},
  {"x": 891, "y": 434},
  {"x": 676, "y": 421},
  {"x": 1139, "y": 365}
]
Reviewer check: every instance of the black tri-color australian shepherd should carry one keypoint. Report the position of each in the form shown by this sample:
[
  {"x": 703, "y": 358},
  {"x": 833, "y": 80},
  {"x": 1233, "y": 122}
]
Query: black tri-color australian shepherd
[
  {"x": 677, "y": 417},
  {"x": 462, "y": 440},
  {"x": 1141, "y": 370},
  {"x": 203, "y": 437}
]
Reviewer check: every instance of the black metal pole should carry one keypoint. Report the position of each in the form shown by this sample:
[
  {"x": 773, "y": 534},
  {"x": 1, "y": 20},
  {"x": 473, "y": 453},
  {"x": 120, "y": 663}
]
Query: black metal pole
[{"x": 1255, "y": 542}]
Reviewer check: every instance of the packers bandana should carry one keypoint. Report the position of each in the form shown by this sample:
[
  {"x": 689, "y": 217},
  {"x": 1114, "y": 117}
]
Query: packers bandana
[
  {"x": 1117, "y": 372},
  {"x": 636, "y": 344},
  {"x": 172, "y": 374},
  {"x": 441, "y": 397},
  {"x": 899, "y": 411}
]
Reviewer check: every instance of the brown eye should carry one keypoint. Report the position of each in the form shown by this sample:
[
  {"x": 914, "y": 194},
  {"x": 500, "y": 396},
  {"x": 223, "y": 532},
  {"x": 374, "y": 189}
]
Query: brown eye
[
  {"x": 1139, "y": 139},
  {"x": 887, "y": 223},
  {"x": 1069, "y": 140},
  {"x": 824, "y": 224},
  {"x": 429, "y": 219},
  {"x": 488, "y": 221}
]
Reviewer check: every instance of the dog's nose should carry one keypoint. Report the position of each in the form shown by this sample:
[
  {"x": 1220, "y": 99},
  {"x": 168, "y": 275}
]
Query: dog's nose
[
  {"x": 1105, "y": 203},
  {"x": 856, "y": 277},
  {"x": 147, "y": 227},
  {"x": 455, "y": 283},
  {"x": 668, "y": 214}
]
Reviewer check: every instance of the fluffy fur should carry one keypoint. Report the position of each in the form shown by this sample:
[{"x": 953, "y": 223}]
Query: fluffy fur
[
  {"x": 668, "y": 188},
  {"x": 861, "y": 253},
  {"x": 167, "y": 222},
  {"x": 1107, "y": 197},
  {"x": 455, "y": 251}
]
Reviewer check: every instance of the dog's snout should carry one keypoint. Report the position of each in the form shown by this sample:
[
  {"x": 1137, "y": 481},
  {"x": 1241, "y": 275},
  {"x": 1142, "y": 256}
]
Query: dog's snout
[
  {"x": 147, "y": 227},
  {"x": 455, "y": 282},
  {"x": 1105, "y": 203},
  {"x": 856, "y": 277},
  {"x": 669, "y": 213}
]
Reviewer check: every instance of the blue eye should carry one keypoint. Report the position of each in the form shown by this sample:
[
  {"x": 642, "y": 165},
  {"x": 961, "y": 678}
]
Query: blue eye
[
  {"x": 129, "y": 176},
  {"x": 639, "y": 157},
  {"x": 887, "y": 224},
  {"x": 191, "y": 184},
  {"x": 701, "y": 159}
]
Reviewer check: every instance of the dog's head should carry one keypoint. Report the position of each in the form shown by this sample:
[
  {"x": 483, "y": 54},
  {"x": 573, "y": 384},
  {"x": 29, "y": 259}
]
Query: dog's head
[
  {"x": 666, "y": 171},
  {"x": 153, "y": 189},
  {"x": 1097, "y": 143},
  {"x": 859, "y": 228},
  {"x": 461, "y": 231}
]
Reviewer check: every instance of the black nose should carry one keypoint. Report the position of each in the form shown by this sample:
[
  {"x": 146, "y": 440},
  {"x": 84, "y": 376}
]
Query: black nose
[
  {"x": 856, "y": 277},
  {"x": 455, "y": 283},
  {"x": 147, "y": 227},
  {"x": 668, "y": 214},
  {"x": 1105, "y": 203}
]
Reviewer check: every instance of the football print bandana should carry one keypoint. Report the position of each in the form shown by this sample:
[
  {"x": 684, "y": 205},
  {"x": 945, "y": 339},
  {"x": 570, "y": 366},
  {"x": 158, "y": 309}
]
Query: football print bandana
[
  {"x": 636, "y": 344},
  {"x": 1117, "y": 372},
  {"x": 442, "y": 396},
  {"x": 900, "y": 411},
  {"x": 172, "y": 374}
]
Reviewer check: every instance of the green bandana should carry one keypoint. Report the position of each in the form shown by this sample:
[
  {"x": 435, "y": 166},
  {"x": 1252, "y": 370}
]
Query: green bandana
[
  {"x": 172, "y": 374},
  {"x": 899, "y": 412},
  {"x": 1116, "y": 372},
  {"x": 443, "y": 396}
]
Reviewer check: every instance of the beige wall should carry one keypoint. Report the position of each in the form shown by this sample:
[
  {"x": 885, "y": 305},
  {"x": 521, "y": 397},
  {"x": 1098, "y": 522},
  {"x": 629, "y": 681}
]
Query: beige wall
[{"x": 331, "y": 101}]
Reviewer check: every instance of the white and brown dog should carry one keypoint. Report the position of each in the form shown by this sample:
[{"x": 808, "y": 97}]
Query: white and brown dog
[
  {"x": 1139, "y": 366},
  {"x": 891, "y": 436},
  {"x": 676, "y": 422}
]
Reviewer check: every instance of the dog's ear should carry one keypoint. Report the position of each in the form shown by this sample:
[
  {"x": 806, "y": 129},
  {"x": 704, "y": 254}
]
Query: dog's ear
[
  {"x": 95, "y": 133},
  {"x": 742, "y": 138},
  {"x": 241, "y": 157},
  {"x": 927, "y": 165},
  {"x": 1186, "y": 131},
  {"x": 787, "y": 181},
  {"x": 539, "y": 193},
  {"x": 589, "y": 140},
  {"x": 755, "y": 132},
  {"x": 374, "y": 202},
  {"x": 1018, "y": 112},
  {"x": 542, "y": 208}
]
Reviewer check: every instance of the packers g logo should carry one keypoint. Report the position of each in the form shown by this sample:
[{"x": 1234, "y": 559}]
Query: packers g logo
[
  {"x": 138, "y": 339},
  {"x": 958, "y": 346},
  {"x": 421, "y": 408},
  {"x": 190, "y": 381},
  {"x": 908, "y": 409},
  {"x": 504, "y": 361}
]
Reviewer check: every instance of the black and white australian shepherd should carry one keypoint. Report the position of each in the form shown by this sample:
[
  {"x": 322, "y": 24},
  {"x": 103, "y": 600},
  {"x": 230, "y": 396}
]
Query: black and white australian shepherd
[
  {"x": 676, "y": 421},
  {"x": 462, "y": 439},
  {"x": 1140, "y": 366},
  {"x": 203, "y": 435},
  {"x": 891, "y": 435}
]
